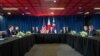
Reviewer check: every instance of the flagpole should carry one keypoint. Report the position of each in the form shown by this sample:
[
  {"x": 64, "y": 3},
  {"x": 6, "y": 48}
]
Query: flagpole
[
  {"x": 54, "y": 25},
  {"x": 48, "y": 25}
]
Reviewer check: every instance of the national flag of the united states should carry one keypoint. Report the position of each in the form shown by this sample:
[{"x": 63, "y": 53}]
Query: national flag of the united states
[{"x": 43, "y": 30}]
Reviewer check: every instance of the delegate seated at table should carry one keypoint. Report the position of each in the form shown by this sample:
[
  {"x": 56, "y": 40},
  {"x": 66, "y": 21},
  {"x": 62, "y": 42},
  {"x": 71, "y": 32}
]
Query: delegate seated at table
[
  {"x": 92, "y": 31},
  {"x": 33, "y": 30},
  {"x": 10, "y": 31},
  {"x": 84, "y": 32},
  {"x": 16, "y": 30}
]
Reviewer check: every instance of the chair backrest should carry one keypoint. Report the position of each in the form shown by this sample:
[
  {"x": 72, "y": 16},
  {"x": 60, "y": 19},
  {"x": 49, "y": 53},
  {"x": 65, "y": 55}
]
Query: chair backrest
[{"x": 3, "y": 33}]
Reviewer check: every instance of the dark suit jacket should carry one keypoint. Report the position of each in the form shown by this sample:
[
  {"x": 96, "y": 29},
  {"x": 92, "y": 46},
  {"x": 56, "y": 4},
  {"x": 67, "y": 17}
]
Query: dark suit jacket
[
  {"x": 16, "y": 31},
  {"x": 9, "y": 33},
  {"x": 93, "y": 33},
  {"x": 33, "y": 31}
]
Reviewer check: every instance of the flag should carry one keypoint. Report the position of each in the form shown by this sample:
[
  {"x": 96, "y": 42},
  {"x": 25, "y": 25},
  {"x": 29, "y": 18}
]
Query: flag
[
  {"x": 48, "y": 25},
  {"x": 54, "y": 26},
  {"x": 43, "y": 30}
]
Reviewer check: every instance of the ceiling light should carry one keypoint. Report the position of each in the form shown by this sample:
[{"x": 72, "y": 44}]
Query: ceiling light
[
  {"x": 97, "y": 8},
  {"x": 9, "y": 13},
  {"x": 52, "y": 13},
  {"x": 80, "y": 7},
  {"x": 56, "y": 8},
  {"x": 23, "y": 14},
  {"x": 10, "y": 8},
  {"x": 54, "y": 1},
  {"x": 49, "y": 0},
  {"x": 86, "y": 13},
  {"x": 79, "y": 12},
  {"x": 28, "y": 13},
  {"x": 26, "y": 7}
]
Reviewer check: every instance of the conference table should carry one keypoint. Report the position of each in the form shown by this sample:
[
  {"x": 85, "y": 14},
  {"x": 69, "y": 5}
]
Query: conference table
[{"x": 14, "y": 46}]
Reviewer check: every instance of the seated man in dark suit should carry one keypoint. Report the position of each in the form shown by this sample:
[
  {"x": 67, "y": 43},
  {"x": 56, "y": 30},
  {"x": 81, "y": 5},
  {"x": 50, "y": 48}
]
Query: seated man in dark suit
[
  {"x": 60, "y": 31},
  {"x": 37, "y": 30},
  {"x": 33, "y": 30},
  {"x": 16, "y": 30},
  {"x": 86, "y": 29},
  {"x": 92, "y": 31},
  {"x": 65, "y": 30},
  {"x": 51, "y": 30},
  {"x": 10, "y": 31}
]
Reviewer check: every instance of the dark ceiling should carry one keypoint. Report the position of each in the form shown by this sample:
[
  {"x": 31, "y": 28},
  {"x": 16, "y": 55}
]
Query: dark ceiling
[{"x": 41, "y": 7}]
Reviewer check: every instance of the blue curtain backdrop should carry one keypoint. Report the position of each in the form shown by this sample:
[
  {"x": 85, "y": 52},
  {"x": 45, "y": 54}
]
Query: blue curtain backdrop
[
  {"x": 95, "y": 21},
  {"x": 27, "y": 22}
]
